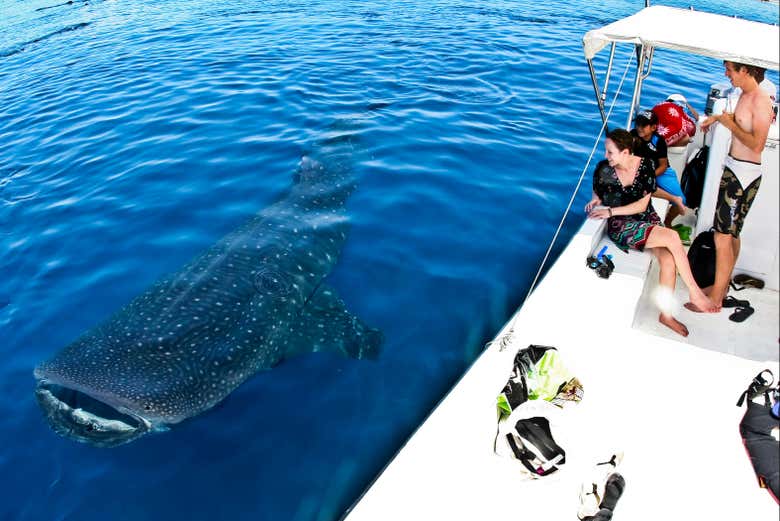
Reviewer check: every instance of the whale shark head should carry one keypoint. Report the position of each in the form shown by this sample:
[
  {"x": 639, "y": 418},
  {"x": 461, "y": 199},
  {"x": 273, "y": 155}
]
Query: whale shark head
[{"x": 77, "y": 415}]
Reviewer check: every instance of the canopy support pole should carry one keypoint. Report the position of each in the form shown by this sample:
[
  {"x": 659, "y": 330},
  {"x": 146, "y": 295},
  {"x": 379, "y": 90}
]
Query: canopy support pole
[
  {"x": 601, "y": 96},
  {"x": 644, "y": 57},
  {"x": 609, "y": 71},
  {"x": 635, "y": 99},
  {"x": 599, "y": 99}
]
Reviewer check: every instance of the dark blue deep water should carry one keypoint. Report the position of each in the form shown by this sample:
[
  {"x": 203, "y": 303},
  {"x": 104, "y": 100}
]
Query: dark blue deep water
[{"x": 133, "y": 135}]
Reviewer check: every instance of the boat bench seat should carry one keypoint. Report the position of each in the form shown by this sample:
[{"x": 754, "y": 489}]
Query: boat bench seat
[{"x": 633, "y": 263}]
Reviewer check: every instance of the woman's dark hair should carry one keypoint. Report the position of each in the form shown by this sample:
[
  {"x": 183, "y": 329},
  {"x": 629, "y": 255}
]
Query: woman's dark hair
[{"x": 622, "y": 139}]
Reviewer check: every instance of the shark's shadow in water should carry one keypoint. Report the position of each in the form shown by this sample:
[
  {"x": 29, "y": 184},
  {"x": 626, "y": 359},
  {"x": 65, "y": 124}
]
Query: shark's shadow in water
[{"x": 253, "y": 299}]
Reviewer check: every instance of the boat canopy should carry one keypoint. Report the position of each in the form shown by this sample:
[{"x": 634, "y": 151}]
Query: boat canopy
[{"x": 696, "y": 32}]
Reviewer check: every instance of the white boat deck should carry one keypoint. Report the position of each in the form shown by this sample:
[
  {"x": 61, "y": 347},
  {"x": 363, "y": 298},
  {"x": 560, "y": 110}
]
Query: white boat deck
[{"x": 668, "y": 403}]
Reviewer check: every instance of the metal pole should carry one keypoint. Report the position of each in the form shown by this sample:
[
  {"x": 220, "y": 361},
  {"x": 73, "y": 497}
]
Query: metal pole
[
  {"x": 609, "y": 70},
  {"x": 640, "y": 49},
  {"x": 649, "y": 64},
  {"x": 599, "y": 101}
]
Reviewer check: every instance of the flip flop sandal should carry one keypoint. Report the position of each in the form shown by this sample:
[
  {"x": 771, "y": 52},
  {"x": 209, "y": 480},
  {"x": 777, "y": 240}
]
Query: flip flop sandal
[
  {"x": 594, "y": 491},
  {"x": 612, "y": 491},
  {"x": 746, "y": 281},
  {"x": 731, "y": 302},
  {"x": 741, "y": 313},
  {"x": 589, "y": 501},
  {"x": 684, "y": 232}
]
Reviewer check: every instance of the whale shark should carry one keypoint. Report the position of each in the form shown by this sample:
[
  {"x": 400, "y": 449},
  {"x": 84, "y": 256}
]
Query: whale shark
[{"x": 244, "y": 305}]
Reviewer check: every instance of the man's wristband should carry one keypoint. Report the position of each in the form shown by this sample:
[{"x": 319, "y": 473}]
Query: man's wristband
[{"x": 610, "y": 211}]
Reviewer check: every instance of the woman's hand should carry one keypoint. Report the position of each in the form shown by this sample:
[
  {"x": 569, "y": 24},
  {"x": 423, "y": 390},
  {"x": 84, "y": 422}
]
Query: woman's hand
[
  {"x": 593, "y": 202},
  {"x": 600, "y": 213}
]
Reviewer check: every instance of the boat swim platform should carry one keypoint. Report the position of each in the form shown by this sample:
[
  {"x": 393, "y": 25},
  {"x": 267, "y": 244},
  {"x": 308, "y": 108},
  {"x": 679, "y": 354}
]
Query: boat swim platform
[{"x": 666, "y": 402}]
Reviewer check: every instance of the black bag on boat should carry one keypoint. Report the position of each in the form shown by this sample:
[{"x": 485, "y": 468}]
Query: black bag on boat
[
  {"x": 761, "y": 418},
  {"x": 533, "y": 445},
  {"x": 701, "y": 257},
  {"x": 692, "y": 179}
]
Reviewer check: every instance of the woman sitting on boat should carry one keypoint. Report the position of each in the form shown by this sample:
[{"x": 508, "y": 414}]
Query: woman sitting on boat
[{"x": 623, "y": 183}]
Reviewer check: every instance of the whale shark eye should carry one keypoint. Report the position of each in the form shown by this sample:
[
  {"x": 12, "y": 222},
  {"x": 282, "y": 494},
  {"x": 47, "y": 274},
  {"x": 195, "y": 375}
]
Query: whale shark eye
[{"x": 270, "y": 281}]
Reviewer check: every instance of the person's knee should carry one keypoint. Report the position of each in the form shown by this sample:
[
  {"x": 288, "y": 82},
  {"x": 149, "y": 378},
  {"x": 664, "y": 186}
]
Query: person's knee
[
  {"x": 673, "y": 239},
  {"x": 662, "y": 233}
]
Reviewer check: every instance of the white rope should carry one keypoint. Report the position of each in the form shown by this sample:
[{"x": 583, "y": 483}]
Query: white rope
[{"x": 504, "y": 341}]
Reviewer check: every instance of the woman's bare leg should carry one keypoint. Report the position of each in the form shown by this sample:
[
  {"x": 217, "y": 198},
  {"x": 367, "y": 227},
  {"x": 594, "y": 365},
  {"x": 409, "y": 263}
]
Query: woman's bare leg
[
  {"x": 667, "y": 280},
  {"x": 661, "y": 237}
]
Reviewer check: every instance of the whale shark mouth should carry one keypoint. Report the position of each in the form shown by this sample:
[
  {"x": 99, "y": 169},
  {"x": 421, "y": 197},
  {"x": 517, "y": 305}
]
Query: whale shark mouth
[{"x": 77, "y": 415}]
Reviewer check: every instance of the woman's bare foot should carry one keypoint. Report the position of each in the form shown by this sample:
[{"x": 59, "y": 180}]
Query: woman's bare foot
[{"x": 673, "y": 324}]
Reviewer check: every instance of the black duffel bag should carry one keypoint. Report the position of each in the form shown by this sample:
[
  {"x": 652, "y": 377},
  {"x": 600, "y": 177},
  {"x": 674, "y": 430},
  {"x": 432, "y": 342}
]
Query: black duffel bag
[{"x": 701, "y": 257}]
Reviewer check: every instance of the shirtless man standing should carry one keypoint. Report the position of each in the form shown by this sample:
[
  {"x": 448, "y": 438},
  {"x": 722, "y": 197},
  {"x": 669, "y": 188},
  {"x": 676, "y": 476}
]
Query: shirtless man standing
[{"x": 749, "y": 126}]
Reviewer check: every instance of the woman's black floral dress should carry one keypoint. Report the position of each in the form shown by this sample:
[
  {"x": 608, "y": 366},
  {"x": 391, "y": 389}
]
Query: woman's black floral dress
[{"x": 627, "y": 231}]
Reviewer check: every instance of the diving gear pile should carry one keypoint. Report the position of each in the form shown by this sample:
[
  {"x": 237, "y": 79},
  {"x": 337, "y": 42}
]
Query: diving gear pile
[{"x": 539, "y": 386}]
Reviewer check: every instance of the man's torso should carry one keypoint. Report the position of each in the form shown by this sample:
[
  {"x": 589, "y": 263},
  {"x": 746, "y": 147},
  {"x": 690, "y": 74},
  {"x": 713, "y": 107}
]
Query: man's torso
[{"x": 744, "y": 114}]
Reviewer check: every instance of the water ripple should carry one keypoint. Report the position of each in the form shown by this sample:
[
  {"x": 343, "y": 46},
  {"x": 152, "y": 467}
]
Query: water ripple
[{"x": 15, "y": 49}]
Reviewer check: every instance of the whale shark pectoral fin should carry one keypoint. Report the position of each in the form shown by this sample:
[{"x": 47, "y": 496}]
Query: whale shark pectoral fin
[{"x": 326, "y": 324}]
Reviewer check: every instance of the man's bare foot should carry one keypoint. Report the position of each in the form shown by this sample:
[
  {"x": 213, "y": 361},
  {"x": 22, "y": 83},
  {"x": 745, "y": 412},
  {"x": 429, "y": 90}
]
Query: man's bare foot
[
  {"x": 690, "y": 306},
  {"x": 703, "y": 304},
  {"x": 716, "y": 297},
  {"x": 673, "y": 324}
]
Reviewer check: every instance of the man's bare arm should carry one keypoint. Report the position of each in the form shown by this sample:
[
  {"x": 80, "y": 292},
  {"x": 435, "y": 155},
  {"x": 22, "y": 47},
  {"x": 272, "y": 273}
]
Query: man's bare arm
[{"x": 762, "y": 119}]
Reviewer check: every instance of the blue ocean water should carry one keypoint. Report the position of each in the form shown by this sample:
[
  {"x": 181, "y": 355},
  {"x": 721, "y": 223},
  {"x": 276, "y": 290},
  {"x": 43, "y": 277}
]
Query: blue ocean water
[{"x": 133, "y": 135}]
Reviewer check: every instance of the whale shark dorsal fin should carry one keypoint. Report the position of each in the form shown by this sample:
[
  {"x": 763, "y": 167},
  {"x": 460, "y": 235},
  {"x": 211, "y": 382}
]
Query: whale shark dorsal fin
[{"x": 326, "y": 325}]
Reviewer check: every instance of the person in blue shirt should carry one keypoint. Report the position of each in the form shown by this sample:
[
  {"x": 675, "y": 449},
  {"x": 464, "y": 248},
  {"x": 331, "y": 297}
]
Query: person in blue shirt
[{"x": 650, "y": 145}]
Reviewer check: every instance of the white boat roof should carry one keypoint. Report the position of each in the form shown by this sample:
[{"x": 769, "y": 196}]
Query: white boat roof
[{"x": 697, "y": 32}]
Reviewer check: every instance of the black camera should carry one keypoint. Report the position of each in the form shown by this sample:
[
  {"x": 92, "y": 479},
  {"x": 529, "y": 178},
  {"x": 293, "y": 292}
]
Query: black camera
[{"x": 602, "y": 265}]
